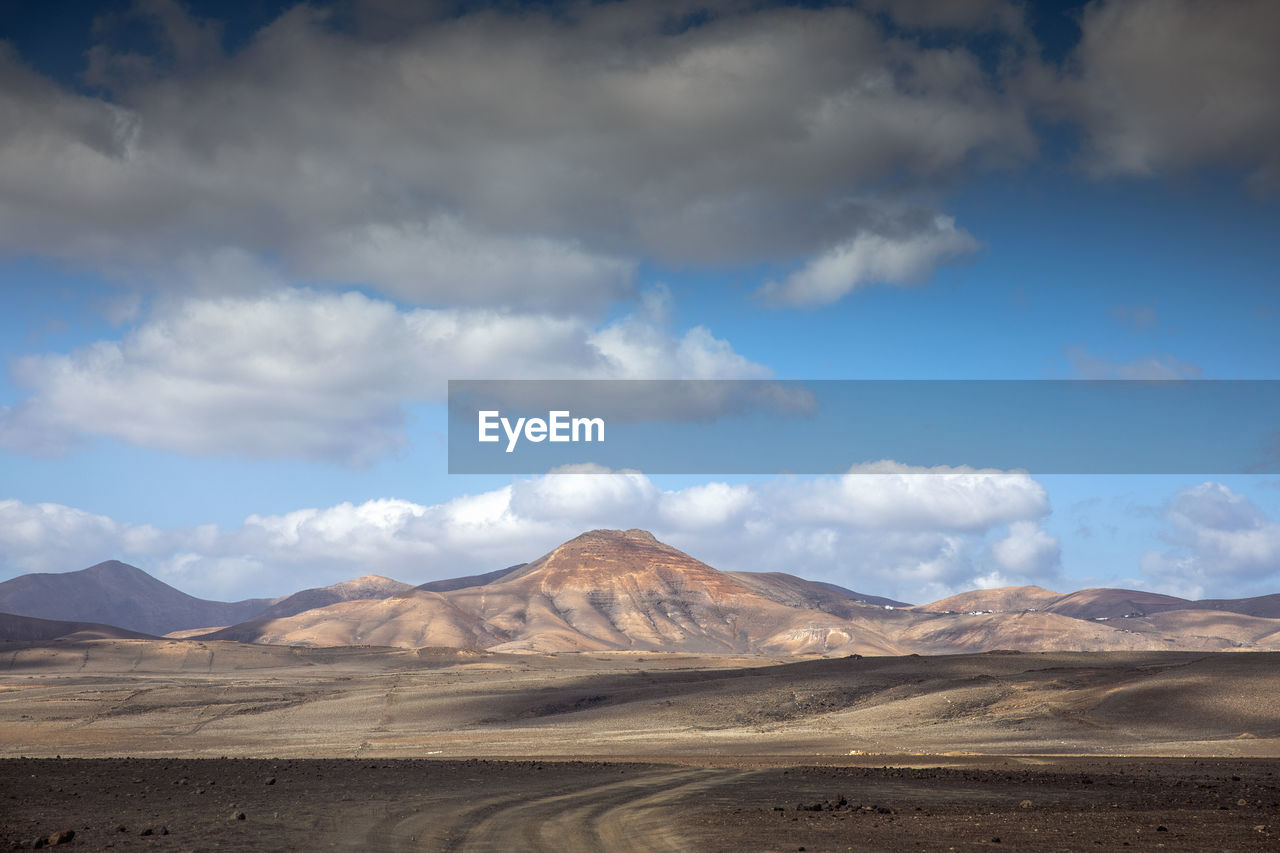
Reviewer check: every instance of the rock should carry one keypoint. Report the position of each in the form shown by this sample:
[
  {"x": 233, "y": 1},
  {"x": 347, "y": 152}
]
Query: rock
[
  {"x": 1026, "y": 804},
  {"x": 270, "y": 780},
  {"x": 238, "y": 816},
  {"x": 62, "y": 836}
]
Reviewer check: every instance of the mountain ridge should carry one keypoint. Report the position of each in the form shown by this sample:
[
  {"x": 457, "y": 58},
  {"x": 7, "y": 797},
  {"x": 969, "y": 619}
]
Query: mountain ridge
[{"x": 625, "y": 589}]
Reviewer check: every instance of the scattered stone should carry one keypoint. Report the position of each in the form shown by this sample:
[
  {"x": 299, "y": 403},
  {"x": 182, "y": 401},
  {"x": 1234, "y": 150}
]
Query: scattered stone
[
  {"x": 1026, "y": 804},
  {"x": 271, "y": 780},
  {"x": 238, "y": 816},
  {"x": 1162, "y": 828}
]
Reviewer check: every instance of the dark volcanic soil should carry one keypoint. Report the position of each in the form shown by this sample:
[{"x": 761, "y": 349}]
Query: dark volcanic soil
[{"x": 742, "y": 804}]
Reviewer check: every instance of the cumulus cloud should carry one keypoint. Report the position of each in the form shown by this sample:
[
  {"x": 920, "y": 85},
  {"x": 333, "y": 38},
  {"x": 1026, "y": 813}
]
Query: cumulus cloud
[
  {"x": 1028, "y": 551},
  {"x": 47, "y": 537},
  {"x": 1220, "y": 539},
  {"x": 500, "y": 158},
  {"x": 322, "y": 375},
  {"x": 1169, "y": 84},
  {"x": 873, "y": 258},
  {"x": 872, "y": 533}
]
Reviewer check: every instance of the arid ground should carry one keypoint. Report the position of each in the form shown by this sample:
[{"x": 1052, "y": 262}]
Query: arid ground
[{"x": 368, "y": 748}]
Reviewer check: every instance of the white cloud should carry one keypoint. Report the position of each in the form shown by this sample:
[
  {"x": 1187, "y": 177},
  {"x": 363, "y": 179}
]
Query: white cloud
[
  {"x": 888, "y": 495},
  {"x": 49, "y": 537},
  {"x": 898, "y": 549},
  {"x": 320, "y": 375},
  {"x": 1027, "y": 552},
  {"x": 501, "y": 158},
  {"x": 1171, "y": 84},
  {"x": 873, "y": 258},
  {"x": 1221, "y": 541}
]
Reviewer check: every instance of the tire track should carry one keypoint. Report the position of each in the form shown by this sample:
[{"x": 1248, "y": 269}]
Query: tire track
[{"x": 631, "y": 815}]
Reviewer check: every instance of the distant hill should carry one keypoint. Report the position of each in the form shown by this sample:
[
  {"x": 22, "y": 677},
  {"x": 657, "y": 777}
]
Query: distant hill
[
  {"x": 367, "y": 587},
  {"x": 450, "y": 584},
  {"x": 1003, "y": 599},
  {"x": 28, "y": 629},
  {"x": 115, "y": 593},
  {"x": 815, "y": 595}
]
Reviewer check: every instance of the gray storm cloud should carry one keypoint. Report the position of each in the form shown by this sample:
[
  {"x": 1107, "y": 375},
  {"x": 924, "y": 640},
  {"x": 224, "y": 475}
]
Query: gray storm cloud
[{"x": 494, "y": 158}]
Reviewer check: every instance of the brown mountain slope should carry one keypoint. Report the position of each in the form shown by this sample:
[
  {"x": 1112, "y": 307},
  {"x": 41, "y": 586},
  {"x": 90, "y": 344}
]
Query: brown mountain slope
[
  {"x": 1265, "y": 606},
  {"x": 28, "y": 629},
  {"x": 115, "y": 593},
  {"x": 450, "y": 584},
  {"x": 1000, "y": 600},
  {"x": 367, "y": 587},
  {"x": 413, "y": 619},
  {"x": 1113, "y": 603},
  {"x": 813, "y": 595},
  {"x": 1032, "y": 632},
  {"x": 1231, "y": 630}
]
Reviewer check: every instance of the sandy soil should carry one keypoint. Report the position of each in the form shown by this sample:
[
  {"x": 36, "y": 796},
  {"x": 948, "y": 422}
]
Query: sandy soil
[
  {"x": 443, "y": 750},
  {"x": 749, "y": 804}
]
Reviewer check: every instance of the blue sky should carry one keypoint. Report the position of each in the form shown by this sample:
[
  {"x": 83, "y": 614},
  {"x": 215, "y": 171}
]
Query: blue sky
[{"x": 241, "y": 253}]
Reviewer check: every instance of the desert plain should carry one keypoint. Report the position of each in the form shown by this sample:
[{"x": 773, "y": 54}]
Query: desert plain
[{"x": 219, "y": 745}]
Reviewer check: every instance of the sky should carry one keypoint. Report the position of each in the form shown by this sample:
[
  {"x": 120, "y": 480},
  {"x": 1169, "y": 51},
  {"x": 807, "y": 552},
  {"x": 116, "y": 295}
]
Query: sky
[{"x": 243, "y": 248}]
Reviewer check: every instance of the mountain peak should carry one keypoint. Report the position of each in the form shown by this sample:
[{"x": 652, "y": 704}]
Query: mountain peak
[
  {"x": 113, "y": 567},
  {"x": 635, "y": 534}
]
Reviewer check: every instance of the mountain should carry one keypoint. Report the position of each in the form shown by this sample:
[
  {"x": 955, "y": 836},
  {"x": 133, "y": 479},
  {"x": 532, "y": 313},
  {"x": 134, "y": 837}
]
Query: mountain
[
  {"x": 28, "y": 629},
  {"x": 367, "y": 587},
  {"x": 1113, "y": 603},
  {"x": 412, "y": 619},
  {"x": 450, "y": 584},
  {"x": 1264, "y": 606},
  {"x": 605, "y": 589},
  {"x": 1096, "y": 604},
  {"x": 813, "y": 595},
  {"x": 116, "y": 593},
  {"x": 1004, "y": 599},
  {"x": 625, "y": 590}
]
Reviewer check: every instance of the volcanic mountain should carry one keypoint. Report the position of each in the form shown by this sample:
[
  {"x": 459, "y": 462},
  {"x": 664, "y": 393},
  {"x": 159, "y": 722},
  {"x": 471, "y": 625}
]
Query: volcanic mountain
[
  {"x": 116, "y": 593},
  {"x": 605, "y": 589}
]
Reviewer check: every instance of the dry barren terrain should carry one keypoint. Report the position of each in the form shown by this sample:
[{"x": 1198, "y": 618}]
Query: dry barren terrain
[{"x": 440, "y": 749}]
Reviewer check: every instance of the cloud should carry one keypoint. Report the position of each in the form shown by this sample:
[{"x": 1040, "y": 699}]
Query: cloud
[
  {"x": 1027, "y": 552},
  {"x": 49, "y": 537},
  {"x": 916, "y": 534},
  {"x": 1085, "y": 365},
  {"x": 321, "y": 375},
  {"x": 1221, "y": 542},
  {"x": 1166, "y": 85},
  {"x": 502, "y": 158},
  {"x": 871, "y": 258}
]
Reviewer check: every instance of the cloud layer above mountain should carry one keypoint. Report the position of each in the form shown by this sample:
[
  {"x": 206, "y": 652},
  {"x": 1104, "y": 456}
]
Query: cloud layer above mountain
[{"x": 900, "y": 531}]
